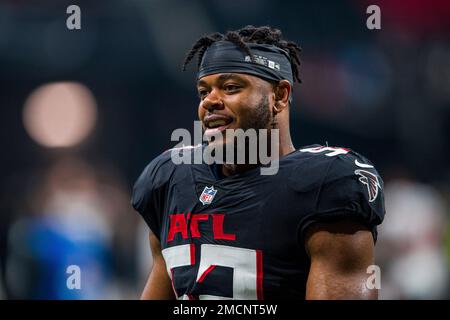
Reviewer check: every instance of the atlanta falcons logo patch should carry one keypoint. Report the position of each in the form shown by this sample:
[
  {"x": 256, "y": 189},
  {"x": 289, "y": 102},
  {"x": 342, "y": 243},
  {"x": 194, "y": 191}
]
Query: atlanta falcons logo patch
[{"x": 371, "y": 181}]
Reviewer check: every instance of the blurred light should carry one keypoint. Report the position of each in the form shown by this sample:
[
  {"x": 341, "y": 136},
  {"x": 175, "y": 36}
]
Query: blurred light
[{"x": 60, "y": 114}]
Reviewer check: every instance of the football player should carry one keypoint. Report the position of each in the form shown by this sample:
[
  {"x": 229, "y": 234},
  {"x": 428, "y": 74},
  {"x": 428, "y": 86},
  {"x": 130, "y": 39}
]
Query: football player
[{"x": 225, "y": 231}]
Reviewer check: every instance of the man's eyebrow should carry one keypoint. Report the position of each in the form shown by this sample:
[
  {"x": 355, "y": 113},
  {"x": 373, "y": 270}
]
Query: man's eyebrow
[
  {"x": 202, "y": 83},
  {"x": 222, "y": 78}
]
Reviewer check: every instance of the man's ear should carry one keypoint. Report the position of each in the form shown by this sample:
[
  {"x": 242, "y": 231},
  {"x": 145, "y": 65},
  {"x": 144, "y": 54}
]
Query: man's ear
[{"x": 282, "y": 92}]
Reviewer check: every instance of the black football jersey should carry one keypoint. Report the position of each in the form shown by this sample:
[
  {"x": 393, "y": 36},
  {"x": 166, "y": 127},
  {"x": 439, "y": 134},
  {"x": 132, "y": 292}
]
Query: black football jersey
[{"x": 242, "y": 236}]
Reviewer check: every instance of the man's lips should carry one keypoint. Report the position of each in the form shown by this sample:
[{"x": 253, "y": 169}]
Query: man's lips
[
  {"x": 216, "y": 123},
  {"x": 214, "y": 131}
]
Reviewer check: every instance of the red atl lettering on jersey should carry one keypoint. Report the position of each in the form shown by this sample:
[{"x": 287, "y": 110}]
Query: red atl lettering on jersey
[
  {"x": 218, "y": 228},
  {"x": 179, "y": 224},
  {"x": 195, "y": 233}
]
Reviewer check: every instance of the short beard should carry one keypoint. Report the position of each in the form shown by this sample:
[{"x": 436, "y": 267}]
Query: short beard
[
  {"x": 257, "y": 117},
  {"x": 260, "y": 118}
]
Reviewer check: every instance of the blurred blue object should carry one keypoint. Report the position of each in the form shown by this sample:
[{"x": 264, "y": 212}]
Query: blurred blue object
[{"x": 52, "y": 251}]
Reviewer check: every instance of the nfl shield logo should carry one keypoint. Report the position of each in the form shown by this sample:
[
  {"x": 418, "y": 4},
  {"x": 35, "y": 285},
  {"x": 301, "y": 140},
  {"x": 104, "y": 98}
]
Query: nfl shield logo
[{"x": 207, "y": 195}]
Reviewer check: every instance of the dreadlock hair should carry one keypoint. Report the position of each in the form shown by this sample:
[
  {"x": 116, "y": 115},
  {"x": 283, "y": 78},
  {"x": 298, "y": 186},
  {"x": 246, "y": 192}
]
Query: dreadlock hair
[{"x": 249, "y": 34}]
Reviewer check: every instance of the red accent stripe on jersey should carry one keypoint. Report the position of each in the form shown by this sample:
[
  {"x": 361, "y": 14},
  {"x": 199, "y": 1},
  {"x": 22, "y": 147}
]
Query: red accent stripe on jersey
[
  {"x": 200, "y": 280},
  {"x": 191, "y": 297},
  {"x": 259, "y": 275},
  {"x": 192, "y": 247}
]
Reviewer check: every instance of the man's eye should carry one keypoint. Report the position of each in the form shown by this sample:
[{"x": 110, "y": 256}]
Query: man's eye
[
  {"x": 202, "y": 93},
  {"x": 231, "y": 87}
]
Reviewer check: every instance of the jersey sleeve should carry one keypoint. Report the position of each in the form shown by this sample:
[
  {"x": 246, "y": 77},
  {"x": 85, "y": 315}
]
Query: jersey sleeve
[
  {"x": 149, "y": 192},
  {"x": 345, "y": 187}
]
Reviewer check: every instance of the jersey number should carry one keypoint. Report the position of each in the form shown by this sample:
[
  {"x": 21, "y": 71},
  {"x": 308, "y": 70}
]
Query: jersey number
[
  {"x": 246, "y": 264},
  {"x": 333, "y": 151}
]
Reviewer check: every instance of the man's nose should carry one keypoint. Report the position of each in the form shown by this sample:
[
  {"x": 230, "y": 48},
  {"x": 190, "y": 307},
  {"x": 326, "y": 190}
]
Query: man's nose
[{"x": 212, "y": 101}]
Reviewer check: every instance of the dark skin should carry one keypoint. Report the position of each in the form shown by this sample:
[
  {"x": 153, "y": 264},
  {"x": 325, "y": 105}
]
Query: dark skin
[
  {"x": 238, "y": 96},
  {"x": 340, "y": 252}
]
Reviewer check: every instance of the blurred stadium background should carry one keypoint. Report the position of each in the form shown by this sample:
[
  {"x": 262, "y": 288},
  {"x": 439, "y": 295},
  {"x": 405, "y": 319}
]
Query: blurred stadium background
[{"x": 82, "y": 112}]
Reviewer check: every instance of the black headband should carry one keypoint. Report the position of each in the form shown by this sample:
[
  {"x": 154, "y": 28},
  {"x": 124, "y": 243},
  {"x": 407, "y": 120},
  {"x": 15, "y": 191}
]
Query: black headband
[{"x": 271, "y": 63}]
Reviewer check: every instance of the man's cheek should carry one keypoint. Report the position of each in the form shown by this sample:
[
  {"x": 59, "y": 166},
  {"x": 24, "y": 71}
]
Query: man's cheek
[{"x": 201, "y": 112}]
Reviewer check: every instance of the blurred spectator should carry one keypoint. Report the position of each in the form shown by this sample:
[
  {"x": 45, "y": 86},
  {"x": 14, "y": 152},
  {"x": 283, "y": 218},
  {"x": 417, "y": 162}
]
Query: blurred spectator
[
  {"x": 411, "y": 250},
  {"x": 72, "y": 222}
]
